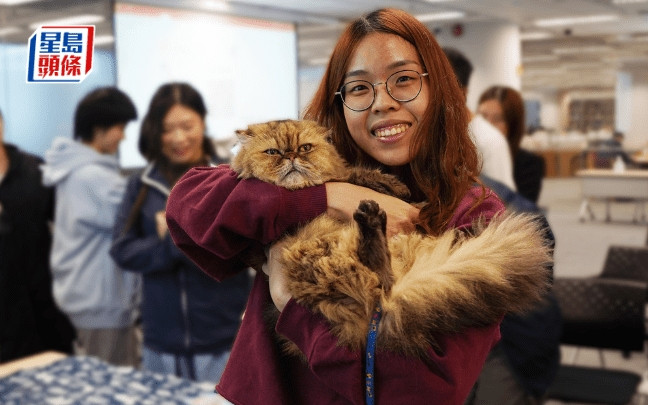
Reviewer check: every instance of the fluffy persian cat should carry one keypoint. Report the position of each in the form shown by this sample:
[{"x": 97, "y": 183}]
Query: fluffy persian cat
[{"x": 427, "y": 286}]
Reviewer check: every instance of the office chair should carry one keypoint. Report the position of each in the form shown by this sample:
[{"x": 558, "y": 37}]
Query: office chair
[
  {"x": 626, "y": 263},
  {"x": 599, "y": 313}
]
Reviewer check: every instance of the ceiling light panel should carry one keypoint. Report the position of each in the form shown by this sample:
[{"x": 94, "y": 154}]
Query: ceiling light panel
[
  {"x": 445, "y": 15},
  {"x": 629, "y": 1},
  {"x": 15, "y": 2},
  {"x": 586, "y": 19},
  {"x": 535, "y": 36}
]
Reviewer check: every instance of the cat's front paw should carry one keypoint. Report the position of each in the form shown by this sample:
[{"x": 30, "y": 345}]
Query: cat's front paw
[
  {"x": 370, "y": 216},
  {"x": 373, "y": 250}
]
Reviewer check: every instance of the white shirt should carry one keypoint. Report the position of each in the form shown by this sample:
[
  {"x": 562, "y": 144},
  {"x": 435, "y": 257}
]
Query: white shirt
[{"x": 493, "y": 151}]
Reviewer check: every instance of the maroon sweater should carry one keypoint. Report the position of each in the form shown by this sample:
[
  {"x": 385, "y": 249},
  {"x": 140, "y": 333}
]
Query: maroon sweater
[{"x": 213, "y": 217}]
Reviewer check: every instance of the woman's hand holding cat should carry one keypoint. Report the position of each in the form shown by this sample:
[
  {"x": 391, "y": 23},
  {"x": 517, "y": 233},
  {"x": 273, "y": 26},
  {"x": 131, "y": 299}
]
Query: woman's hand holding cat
[
  {"x": 343, "y": 199},
  {"x": 161, "y": 224},
  {"x": 276, "y": 278}
]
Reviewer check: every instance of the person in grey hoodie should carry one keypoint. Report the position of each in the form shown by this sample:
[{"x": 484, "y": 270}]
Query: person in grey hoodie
[{"x": 99, "y": 298}]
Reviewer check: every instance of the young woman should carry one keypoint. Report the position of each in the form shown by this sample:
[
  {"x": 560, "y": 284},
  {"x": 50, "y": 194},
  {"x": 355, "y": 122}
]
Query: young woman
[
  {"x": 504, "y": 108},
  {"x": 387, "y": 97},
  {"x": 189, "y": 320}
]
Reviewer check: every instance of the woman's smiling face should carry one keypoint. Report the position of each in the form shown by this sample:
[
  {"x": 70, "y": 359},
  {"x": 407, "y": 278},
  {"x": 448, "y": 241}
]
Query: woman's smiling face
[
  {"x": 182, "y": 135},
  {"x": 386, "y": 129}
]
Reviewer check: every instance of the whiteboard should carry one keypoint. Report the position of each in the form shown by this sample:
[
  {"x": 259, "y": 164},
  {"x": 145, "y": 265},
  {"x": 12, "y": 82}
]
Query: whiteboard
[{"x": 245, "y": 69}]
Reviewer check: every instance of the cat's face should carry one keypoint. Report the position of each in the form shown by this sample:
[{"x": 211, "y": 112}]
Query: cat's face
[{"x": 289, "y": 153}]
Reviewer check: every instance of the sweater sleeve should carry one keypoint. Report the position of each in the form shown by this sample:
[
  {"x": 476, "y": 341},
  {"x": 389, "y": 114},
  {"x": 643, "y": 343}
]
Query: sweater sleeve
[
  {"x": 213, "y": 216},
  {"x": 103, "y": 191},
  {"x": 467, "y": 213}
]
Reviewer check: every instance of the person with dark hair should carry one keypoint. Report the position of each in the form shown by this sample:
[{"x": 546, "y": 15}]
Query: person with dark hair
[
  {"x": 100, "y": 299},
  {"x": 189, "y": 319},
  {"x": 490, "y": 142},
  {"x": 387, "y": 99},
  {"x": 31, "y": 321},
  {"x": 462, "y": 67},
  {"x": 504, "y": 108},
  {"x": 522, "y": 366},
  {"x": 103, "y": 108}
]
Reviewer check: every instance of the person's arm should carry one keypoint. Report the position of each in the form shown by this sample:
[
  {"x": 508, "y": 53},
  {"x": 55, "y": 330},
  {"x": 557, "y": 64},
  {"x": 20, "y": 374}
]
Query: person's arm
[
  {"x": 214, "y": 217},
  {"x": 466, "y": 213},
  {"x": 103, "y": 191},
  {"x": 343, "y": 199}
]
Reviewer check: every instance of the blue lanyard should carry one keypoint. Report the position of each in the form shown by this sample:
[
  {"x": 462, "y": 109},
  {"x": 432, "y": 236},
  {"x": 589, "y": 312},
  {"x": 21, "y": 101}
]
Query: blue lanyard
[{"x": 371, "y": 354}]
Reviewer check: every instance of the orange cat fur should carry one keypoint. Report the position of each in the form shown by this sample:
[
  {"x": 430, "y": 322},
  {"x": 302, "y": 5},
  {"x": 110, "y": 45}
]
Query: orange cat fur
[
  {"x": 427, "y": 286},
  {"x": 297, "y": 154}
]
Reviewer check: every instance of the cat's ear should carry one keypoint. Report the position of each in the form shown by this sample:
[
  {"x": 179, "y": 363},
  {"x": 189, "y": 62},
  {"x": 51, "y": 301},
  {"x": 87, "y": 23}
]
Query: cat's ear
[
  {"x": 329, "y": 136},
  {"x": 243, "y": 135}
]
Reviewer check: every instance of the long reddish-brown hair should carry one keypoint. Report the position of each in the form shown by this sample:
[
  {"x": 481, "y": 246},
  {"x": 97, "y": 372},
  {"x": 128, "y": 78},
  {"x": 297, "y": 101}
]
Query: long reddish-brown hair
[
  {"x": 513, "y": 111},
  {"x": 445, "y": 163}
]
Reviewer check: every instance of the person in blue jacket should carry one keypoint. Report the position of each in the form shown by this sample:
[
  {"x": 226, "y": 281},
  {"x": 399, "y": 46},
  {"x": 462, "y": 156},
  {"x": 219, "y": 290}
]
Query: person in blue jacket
[{"x": 189, "y": 320}]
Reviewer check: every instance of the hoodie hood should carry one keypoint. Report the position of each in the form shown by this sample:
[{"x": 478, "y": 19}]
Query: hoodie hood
[{"x": 66, "y": 155}]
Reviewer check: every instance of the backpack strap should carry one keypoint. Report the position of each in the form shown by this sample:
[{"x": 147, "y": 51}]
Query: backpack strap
[{"x": 134, "y": 214}]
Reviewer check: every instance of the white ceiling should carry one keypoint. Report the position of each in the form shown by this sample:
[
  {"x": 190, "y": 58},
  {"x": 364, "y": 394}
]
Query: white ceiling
[{"x": 576, "y": 56}]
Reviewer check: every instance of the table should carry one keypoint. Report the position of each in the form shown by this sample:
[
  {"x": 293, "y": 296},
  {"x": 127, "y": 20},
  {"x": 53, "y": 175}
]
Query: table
[
  {"x": 614, "y": 186},
  {"x": 54, "y": 378},
  {"x": 37, "y": 360},
  {"x": 561, "y": 162},
  {"x": 640, "y": 158}
]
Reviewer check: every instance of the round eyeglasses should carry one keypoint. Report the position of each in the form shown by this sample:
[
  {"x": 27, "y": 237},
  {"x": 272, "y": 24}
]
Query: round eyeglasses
[{"x": 403, "y": 86}]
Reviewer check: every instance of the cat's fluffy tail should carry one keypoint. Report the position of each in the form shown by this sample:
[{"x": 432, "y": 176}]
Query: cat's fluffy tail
[{"x": 455, "y": 281}]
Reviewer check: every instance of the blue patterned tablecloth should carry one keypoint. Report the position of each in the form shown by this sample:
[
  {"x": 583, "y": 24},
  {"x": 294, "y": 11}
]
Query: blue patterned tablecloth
[{"x": 89, "y": 381}]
